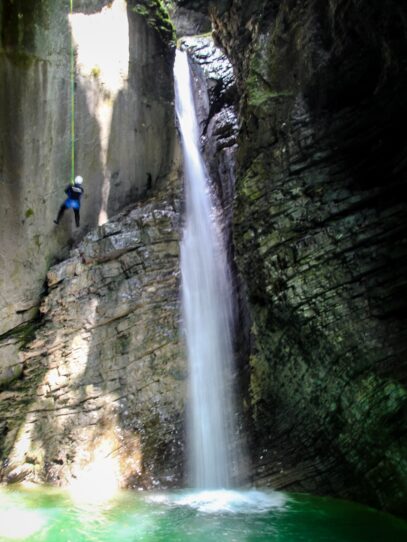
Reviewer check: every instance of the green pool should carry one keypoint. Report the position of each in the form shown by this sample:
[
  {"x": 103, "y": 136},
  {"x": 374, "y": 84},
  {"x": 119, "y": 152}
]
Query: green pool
[{"x": 50, "y": 515}]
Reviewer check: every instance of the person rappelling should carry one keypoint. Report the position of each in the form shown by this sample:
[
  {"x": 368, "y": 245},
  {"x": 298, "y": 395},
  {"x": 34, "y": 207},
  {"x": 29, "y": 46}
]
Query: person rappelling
[
  {"x": 73, "y": 201},
  {"x": 74, "y": 190}
]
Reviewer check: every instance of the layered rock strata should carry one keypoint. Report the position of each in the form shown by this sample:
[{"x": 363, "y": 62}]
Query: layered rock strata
[
  {"x": 320, "y": 233},
  {"x": 102, "y": 391}
]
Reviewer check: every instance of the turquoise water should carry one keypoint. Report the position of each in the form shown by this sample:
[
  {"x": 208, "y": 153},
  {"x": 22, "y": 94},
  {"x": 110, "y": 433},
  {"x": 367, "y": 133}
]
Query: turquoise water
[{"x": 49, "y": 515}]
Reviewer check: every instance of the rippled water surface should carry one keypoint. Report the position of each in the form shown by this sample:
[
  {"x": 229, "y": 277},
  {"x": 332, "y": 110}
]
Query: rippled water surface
[{"x": 49, "y": 515}]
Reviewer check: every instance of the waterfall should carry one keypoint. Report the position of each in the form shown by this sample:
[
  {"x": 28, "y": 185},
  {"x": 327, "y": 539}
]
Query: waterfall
[{"x": 207, "y": 309}]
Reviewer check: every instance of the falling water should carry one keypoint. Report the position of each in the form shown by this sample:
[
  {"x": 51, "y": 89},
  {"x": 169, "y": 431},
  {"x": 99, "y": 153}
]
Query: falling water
[{"x": 207, "y": 308}]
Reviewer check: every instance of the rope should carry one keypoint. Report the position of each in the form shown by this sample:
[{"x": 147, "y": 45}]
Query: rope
[{"x": 72, "y": 105}]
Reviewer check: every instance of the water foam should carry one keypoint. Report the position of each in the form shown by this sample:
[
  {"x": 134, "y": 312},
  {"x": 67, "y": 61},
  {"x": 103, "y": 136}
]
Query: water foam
[{"x": 222, "y": 501}]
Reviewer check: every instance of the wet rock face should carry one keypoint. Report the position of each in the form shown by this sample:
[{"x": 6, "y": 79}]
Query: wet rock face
[
  {"x": 215, "y": 100},
  {"x": 102, "y": 387},
  {"x": 320, "y": 234},
  {"x": 124, "y": 129}
]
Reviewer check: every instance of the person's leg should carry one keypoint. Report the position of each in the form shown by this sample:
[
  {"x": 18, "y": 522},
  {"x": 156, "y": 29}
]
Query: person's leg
[
  {"x": 77, "y": 217},
  {"x": 60, "y": 213}
]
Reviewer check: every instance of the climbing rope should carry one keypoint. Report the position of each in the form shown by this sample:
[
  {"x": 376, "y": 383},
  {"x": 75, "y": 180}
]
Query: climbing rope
[{"x": 72, "y": 104}]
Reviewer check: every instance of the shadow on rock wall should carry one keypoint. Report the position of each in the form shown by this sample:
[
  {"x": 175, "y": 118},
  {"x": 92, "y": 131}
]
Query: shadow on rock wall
[
  {"x": 320, "y": 230},
  {"x": 143, "y": 124}
]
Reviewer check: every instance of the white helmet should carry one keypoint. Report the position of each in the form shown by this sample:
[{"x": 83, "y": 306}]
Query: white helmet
[{"x": 78, "y": 180}]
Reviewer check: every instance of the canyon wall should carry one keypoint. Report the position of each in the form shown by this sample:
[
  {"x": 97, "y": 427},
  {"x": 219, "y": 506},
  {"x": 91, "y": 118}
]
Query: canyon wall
[
  {"x": 320, "y": 235},
  {"x": 124, "y": 130}
]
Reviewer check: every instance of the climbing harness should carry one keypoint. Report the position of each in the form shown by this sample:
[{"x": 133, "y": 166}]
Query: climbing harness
[{"x": 72, "y": 104}]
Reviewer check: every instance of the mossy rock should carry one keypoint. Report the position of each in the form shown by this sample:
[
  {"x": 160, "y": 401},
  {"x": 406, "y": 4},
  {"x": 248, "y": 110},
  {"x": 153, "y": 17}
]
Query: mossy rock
[
  {"x": 156, "y": 14},
  {"x": 24, "y": 333}
]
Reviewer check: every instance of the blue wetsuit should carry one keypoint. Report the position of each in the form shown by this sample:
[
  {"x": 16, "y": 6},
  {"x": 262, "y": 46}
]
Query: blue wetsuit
[{"x": 73, "y": 201}]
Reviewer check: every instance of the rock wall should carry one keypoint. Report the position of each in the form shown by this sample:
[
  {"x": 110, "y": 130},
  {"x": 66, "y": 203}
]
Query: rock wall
[
  {"x": 124, "y": 133},
  {"x": 188, "y": 22},
  {"x": 320, "y": 235},
  {"x": 102, "y": 390}
]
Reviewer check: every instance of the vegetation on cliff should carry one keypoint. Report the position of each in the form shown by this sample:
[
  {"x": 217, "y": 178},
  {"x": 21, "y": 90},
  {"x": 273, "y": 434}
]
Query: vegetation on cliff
[{"x": 156, "y": 14}]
